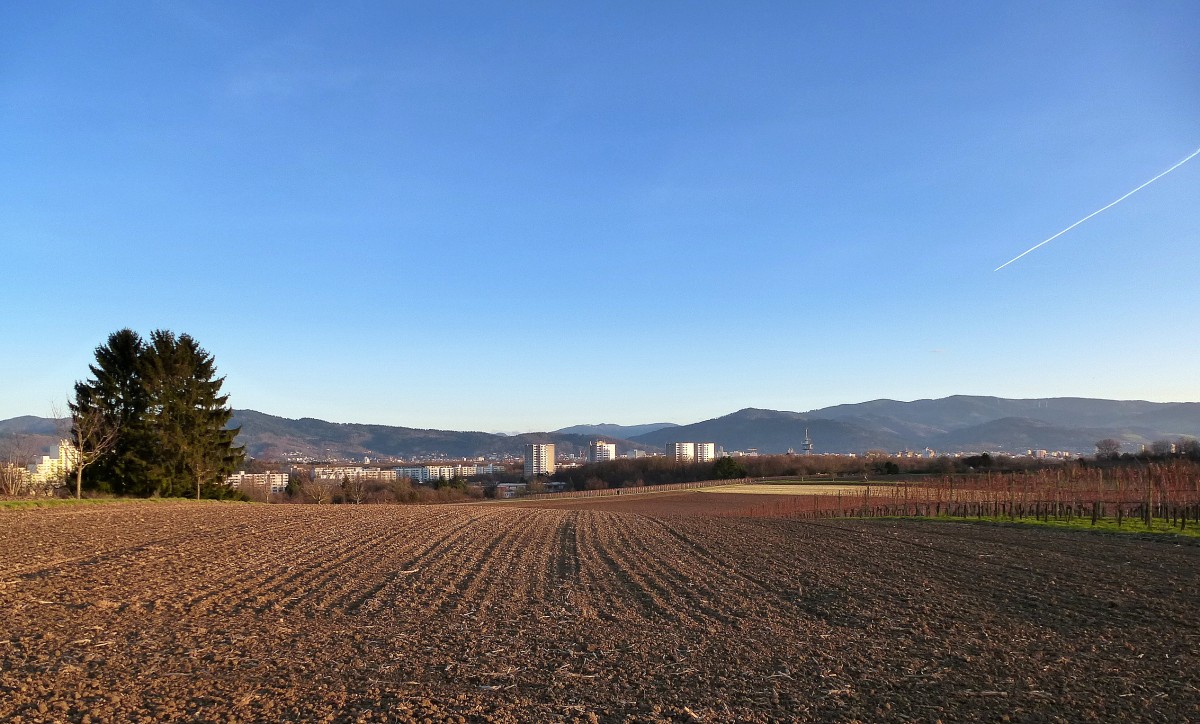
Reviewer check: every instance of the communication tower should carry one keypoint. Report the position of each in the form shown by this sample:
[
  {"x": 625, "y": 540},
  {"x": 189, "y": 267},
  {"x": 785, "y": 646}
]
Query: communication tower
[{"x": 808, "y": 443}]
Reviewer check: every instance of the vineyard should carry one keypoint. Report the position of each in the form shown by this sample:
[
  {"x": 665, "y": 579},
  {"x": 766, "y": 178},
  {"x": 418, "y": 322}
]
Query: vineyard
[
  {"x": 1156, "y": 496},
  {"x": 656, "y": 607}
]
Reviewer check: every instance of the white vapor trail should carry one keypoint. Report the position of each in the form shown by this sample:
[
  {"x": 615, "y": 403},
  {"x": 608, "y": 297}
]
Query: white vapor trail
[{"x": 1077, "y": 223}]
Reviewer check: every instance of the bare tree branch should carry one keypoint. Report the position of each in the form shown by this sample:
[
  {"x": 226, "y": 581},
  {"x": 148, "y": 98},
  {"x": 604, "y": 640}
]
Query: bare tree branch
[{"x": 93, "y": 434}]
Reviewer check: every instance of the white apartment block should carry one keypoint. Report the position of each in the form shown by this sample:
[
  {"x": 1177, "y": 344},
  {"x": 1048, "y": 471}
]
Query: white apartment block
[
  {"x": 600, "y": 451},
  {"x": 539, "y": 460},
  {"x": 429, "y": 473},
  {"x": 340, "y": 473},
  {"x": 270, "y": 482},
  {"x": 692, "y": 452},
  {"x": 51, "y": 471},
  {"x": 412, "y": 472},
  {"x": 683, "y": 452}
]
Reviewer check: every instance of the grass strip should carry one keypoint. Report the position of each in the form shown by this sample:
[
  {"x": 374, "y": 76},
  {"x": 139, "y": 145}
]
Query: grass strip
[{"x": 25, "y": 504}]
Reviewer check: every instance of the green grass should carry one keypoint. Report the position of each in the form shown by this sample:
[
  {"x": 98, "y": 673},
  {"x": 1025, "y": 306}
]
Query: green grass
[
  {"x": 67, "y": 502},
  {"x": 1105, "y": 525}
]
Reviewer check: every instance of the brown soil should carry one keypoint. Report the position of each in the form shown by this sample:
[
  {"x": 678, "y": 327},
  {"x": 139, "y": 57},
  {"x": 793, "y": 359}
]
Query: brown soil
[
  {"x": 674, "y": 503},
  {"x": 236, "y": 613}
]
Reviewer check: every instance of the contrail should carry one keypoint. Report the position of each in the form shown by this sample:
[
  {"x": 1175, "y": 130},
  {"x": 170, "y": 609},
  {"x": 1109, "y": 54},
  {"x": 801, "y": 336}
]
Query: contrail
[{"x": 1077, "y": 223}]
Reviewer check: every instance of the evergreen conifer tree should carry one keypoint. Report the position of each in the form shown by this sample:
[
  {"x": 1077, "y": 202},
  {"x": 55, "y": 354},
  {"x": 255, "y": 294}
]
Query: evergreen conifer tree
[
  {"x": 187, "y": 415},
  {"x": 115, "y": 392},
  {"x": 166, "y": 399}
]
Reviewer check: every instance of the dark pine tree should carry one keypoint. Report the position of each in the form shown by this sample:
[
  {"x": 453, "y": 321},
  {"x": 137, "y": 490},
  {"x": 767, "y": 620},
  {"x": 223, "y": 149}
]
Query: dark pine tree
[
  {"x": 115, "y": 392},
  {"x": 187, "y": 415}
]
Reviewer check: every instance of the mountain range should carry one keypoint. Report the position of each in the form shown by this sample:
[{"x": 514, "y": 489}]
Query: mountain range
[
  {"x": 957, "y": 423},
  {"x": 950, "y": 424}
]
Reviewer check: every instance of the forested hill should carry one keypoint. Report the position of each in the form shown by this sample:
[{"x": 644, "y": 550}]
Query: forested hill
[
  {"x": 268, "y": 437},
  {"x": 959, "y": 423}
]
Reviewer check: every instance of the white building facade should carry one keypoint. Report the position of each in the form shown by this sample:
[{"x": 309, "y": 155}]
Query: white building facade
[
  {"x": 706, "y": 452},
  {"x": 600, "y": 451},
  {"x": 341, "y": 472},
  {"x": 682, "y": 452},
  {"x": 430, "y": 473},
  {"x": 692, "y": 452},
  {"x": 539, "y": 460},
  {"x": 269, "y": 482},
  {"x": 53, "y": 471}
]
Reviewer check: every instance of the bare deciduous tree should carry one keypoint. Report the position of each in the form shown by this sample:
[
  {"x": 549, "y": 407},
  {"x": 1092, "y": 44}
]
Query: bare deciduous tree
[
  {"x": 256, "y": 493},
  {"x": 355, "y": 488},
  {"x": 15, "y": 454},
  {"x": 93, "y": 433},
  {"x": 318, "y": 491}
]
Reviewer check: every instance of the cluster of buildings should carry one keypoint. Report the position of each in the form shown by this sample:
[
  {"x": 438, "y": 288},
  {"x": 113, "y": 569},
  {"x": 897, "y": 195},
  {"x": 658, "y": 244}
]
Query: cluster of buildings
[
  {"x": 540, "y": 460},
  {"x": 52, "y": 471},
  {"x": 277, "y": 482},
  {"x": 419, "y": 473},
  {"x": 47, "y": 473}
]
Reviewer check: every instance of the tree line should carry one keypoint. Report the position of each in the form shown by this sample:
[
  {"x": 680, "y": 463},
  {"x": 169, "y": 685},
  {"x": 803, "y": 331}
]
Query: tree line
[
  {"x": 152, "y": 421},
  {"x": 1184, "y": 448},
  {"x": 628, "y": 472}
]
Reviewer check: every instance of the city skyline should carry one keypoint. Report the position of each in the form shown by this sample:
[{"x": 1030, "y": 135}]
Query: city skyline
[{"x": 703, "y": 207}]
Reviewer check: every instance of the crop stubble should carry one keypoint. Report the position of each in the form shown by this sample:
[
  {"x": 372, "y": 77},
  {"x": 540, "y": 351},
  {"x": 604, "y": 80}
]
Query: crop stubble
[{"x": 229, "y": 612}]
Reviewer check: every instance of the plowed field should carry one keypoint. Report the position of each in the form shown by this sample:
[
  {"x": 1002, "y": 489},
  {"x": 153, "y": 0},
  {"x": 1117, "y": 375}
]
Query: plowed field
[{"x": 349, "y": 613}]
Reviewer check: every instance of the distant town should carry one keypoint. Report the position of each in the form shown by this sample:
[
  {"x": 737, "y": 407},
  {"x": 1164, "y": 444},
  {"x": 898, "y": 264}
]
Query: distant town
[
  {"x": 539, "y": 461},
  {"x": 320, "y": 461}
]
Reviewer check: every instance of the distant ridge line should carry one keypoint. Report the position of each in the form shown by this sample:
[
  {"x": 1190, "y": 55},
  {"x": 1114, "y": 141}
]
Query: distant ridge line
[{"x": 954, "y": 423}]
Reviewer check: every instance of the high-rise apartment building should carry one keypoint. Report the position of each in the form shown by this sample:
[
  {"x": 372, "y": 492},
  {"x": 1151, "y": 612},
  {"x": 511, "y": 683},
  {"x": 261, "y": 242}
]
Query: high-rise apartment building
[
  {"x": 539, "y": 460},
  {"x": 684, "y": 452},
  {"x": 600, "y": 451},
  {"x": 692, "y": 452}
]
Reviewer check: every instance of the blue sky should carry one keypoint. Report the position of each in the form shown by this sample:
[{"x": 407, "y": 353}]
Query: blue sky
[{"x": 520, "y": 216}]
